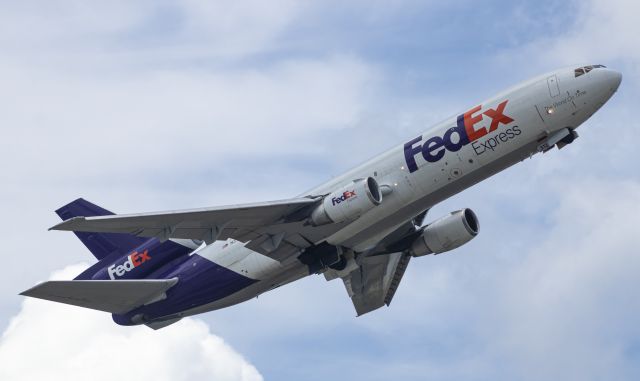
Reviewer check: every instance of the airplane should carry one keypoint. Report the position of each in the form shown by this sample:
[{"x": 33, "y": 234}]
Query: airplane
[{"x": 362, "y": 227}]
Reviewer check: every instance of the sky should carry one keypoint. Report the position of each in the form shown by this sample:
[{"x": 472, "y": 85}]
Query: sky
[{"x": 158, "y": 105}]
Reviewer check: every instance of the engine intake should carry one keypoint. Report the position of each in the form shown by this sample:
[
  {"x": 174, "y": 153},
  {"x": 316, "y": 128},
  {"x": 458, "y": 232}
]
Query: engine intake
[
  {"x": 348, "y": 202},
  {"x": 447, "y": 233}
]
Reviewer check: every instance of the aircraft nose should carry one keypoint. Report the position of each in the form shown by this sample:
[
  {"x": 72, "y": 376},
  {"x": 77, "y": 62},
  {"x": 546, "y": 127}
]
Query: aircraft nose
[
  {"x": 614, "y": 78},
  {"x": 606, "y": 83}
]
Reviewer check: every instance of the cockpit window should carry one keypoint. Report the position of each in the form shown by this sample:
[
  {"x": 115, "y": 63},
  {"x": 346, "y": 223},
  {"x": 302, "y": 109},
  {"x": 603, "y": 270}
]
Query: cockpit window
[{"x": 585, "y": 69}]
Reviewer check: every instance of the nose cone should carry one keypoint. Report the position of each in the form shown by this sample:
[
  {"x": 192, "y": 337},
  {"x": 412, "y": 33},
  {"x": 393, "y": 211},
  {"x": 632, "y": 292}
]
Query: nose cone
[
  {"x": 605, "y": 83},
  {"x": 613, "y": 79}
]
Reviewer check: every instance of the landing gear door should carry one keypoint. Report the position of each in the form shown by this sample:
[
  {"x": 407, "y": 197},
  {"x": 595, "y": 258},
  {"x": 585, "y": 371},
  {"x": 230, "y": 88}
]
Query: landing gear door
[{"x": 554, "y": 88}]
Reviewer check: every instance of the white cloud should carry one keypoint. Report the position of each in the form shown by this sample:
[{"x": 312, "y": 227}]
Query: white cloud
[
  {"x": 569, "y": 312},
  {"x": 38, "y": 24},
  {"x": 185, "y": 117},
  {"x": 51, "y": 341},
  {"x": 169, "y": 29},
  {"x": 236, "y": 29},
  {"x": 594, "y": 32},
  {"x": 606, "y": 28}
]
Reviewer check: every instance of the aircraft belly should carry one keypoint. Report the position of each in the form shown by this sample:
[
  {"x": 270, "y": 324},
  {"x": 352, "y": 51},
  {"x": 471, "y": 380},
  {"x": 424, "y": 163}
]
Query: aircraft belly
[
  {"x": 294, "y": 272},
  {"x": 236, "y": 257},
  {"x": 204, "y": 285}
]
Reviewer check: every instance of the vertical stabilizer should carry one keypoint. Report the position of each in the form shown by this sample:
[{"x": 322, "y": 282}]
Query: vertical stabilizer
[{"x": 100, "y": 244}]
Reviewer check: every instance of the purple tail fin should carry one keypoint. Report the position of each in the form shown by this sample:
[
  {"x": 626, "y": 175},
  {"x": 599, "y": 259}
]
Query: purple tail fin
[{"x": 100, "y": 244}]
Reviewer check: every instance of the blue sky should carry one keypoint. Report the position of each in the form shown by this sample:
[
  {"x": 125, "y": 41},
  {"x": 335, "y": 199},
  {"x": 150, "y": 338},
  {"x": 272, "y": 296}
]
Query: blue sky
[{"x": 154, "y": 105}]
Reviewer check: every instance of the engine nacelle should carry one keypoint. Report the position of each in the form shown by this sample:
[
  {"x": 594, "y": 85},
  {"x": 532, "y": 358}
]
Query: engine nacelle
[
  {"x": 348, "y": 202},
  {"x": 447, "y": 233}
]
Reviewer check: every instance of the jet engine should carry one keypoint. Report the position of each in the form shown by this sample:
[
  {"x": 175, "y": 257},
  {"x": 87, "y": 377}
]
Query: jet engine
[
  {"x": 446, "y": 233},
  {"x": 348, "y": 202}
]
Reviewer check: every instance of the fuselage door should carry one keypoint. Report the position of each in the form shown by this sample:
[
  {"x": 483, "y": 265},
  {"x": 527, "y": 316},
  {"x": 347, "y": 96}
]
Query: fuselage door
[{"x": 554, "y": 88}]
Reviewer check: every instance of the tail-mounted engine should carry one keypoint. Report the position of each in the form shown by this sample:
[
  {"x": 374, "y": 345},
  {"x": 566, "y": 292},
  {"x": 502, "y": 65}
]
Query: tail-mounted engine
[
  {"x": 446, "y": 233},
  {"x": 348, "y": 202}
]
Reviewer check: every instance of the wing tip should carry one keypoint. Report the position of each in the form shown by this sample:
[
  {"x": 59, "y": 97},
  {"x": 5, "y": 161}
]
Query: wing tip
[
  {"x": 32, "y": 292},
  {"x": 66, "y": 225}
]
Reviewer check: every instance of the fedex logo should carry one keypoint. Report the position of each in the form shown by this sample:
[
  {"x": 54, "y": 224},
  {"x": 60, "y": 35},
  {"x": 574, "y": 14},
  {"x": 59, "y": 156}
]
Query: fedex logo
[
  {"x": 466, "y": 131},
  {"x": 345, "y": 196},
  {"x": 134, "y": 260}
]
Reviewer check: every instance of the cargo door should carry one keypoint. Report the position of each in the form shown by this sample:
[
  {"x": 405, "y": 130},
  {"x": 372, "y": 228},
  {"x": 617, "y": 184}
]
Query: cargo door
[{"x": 554, "y": 88}]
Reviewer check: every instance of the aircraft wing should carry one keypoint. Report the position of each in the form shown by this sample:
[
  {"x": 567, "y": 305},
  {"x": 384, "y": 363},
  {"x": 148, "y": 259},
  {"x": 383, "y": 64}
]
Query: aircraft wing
[
  {"x": 375, "y": 282},
  {"x": 275, "y": 228}
]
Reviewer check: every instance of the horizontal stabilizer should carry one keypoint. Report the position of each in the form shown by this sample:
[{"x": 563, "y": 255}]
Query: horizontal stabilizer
[{"x": 115, "y": 296}]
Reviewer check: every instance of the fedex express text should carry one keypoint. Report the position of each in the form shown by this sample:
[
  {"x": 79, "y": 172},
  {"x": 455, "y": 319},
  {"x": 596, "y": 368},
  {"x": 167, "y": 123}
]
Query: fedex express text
[{"x": 465, "y": 132}]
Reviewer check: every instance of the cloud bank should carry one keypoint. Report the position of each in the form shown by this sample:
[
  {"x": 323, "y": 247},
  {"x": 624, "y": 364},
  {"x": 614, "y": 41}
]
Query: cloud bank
[{"x": 51, "y": 341}]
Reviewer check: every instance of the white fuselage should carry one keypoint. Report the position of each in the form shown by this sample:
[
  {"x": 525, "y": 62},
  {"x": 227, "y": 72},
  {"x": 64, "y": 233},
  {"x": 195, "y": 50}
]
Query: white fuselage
[{"x": 435, "y": 165}]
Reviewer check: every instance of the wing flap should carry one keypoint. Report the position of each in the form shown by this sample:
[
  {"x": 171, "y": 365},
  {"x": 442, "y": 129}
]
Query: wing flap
[
  {"x": 401, "y": 267},
  {"x": 115, "y": 296},
  {"x": 374, "y": 283}
]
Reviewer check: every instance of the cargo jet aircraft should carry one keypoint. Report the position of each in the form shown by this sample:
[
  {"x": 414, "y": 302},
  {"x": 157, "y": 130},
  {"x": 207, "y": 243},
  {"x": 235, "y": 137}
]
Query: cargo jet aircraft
[{"x": 362, "y": 227}]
